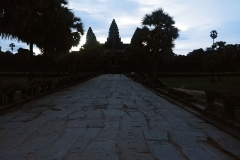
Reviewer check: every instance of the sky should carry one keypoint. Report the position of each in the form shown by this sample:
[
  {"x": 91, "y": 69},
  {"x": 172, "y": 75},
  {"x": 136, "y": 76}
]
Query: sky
[{"x": 194, "y": 18}]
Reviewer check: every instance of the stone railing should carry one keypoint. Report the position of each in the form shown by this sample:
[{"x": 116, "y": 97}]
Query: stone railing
[
  {"x": 229, "y": 101},
  {"x": 182, "y": 95},
  {"x": 13, "y": 93},
  {"x": 168, "y": 91}
]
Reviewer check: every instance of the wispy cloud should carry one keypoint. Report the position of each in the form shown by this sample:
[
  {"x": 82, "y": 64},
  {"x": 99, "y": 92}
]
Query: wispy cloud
[{"x": 195, "y": 19}]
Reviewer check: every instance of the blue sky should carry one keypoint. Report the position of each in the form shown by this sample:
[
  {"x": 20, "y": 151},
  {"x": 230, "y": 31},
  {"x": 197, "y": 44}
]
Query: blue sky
[{"x": 195, "y": 18}]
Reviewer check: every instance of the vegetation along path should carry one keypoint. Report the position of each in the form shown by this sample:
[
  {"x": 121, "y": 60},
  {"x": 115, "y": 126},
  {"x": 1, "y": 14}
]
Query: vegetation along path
[{"x": 110, "y": 118}]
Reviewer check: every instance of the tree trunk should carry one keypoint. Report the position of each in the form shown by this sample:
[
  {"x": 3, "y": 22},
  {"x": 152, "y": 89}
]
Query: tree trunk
[
  {"x": 156, "y": 66},
  {"x": 155, "y": 72},
  {"x": 30, "y": 73},
  {"x": 212, "y": 78},
  {"x": 219, "y": 77},
  {"x": 155, "y": 77},
  {"x": 44, "y": 64},
  {"x": 0, "y": 71},
  {"x": 56, "y": 53},
  {"x": 0, "y": 78}
]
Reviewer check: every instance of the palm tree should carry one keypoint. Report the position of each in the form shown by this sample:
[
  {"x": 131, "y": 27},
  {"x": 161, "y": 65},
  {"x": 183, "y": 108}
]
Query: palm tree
[
  {"x": 220, "y": 49},
  {"x": 212, "y": 62},
  {"x": 136, "y": 55},
  {"x": 54, "y": 30},
  {"x": 21, "y": 21},
  {"x": 27, "y": 22},
  {"x": 213, "y": 35},
  {"x": 161, "y": 33},
  {"x": 70, "y": 28},
  {"x": 12, "y": 45}
]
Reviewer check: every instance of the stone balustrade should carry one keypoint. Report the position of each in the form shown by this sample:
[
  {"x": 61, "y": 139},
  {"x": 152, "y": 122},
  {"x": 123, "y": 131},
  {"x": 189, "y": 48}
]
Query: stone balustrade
[
  {"x": 229, "y": 101},
  {"x": 16, "y": 92},
  {"x": 181, "y": 95}
]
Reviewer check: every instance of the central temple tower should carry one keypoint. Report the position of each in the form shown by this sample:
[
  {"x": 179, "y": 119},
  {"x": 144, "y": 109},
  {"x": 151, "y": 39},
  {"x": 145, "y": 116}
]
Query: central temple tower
[
  {"x": 113, "y": 59},
  {"x": 113, "y": 40}
]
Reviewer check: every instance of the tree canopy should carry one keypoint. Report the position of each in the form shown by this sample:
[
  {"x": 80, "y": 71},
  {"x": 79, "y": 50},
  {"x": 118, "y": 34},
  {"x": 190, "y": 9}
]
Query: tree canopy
[
  {"x": 48, "y": 24},
  {"x": 159, "y": 37}
]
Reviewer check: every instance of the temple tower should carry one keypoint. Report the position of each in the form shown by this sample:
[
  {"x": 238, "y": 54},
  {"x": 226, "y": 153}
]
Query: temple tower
[
  {"x": 91, "y": 40},
  {"x": 90, "y": 37},
  {"x": 113, "y": 40},
  {"x": 114, "y": 56}
]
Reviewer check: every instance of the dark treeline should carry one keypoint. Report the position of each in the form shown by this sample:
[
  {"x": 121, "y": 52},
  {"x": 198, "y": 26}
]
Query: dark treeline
[
  {"x": 18, "y": 62},
  {"x": 221, "y": 57},
  {"x": 50, "y": 25},
  {"x": 53, "y": 28},
  {"x": 143, "y": 54}
]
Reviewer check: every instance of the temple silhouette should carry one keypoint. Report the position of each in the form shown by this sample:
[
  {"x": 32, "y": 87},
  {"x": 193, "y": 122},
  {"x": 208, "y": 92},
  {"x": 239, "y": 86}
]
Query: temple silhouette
[
  {"x": 114, "y": 56},
  {"x": 113, "y": 40}
]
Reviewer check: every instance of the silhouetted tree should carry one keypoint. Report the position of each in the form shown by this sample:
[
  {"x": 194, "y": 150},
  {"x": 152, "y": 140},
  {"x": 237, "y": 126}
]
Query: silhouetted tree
[
  {"x": 212, "y": 62},
  {"x": 181, "y": 63},
  {"x": 137, "y": 57},
  {"x": 12, "y": 45},
  {"x": 231, "y": 57},
  {"x": 59, "y": 36},
  {"x": 196, "y": 58},
  {"x": 213, "y": 34},
  {"x": 48, "y": 24},
  {"x": 161, "y": 33}
]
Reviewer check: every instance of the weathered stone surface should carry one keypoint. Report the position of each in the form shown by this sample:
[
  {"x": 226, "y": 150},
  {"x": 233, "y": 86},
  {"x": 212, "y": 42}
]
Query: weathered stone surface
[
  {"x": 38, "y": 143},
  {"x": 74, "y": 132},
  {"x": 17, "y": 154},
  {"x": 110, "y": 118},
  {"x": 76, "y": 115},
  {"x": 112, "y": 125},
  {"x": 91, "y": 133},
  {"x": 96, "y": 124},
  {"x": 131, "y": 134},
  {"x": 57, "y": 149},
  {"x": 155, "y": 135},
  {"x": 7, "y": 144},
  {"x": 107, "y": 134},
  {"x": 51, "y": 128},
  {"x": 164, "y": 150},
  {"x": 96, "y": 155},
  {"x": 102, "y": 146},
  {"x": 137, "y": 156},
  {"x": 80, "y": 146},
  {"x": 132, "y": 145},
  {"x": 77, "y": 123}
]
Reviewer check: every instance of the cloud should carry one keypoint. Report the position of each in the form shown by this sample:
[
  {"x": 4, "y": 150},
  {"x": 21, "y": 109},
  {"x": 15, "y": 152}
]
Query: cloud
[
  {"x": 195, "y": 19},
  {"x": 86, "y": 6}
]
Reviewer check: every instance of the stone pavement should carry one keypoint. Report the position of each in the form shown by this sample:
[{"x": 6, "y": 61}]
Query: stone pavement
[{"x": 110, "y": 118}]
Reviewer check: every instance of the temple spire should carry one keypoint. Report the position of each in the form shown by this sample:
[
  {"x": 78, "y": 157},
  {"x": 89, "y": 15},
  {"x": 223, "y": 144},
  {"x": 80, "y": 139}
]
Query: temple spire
[
  {"x": 114, "y": 40},
  {"x": 91, "y": 40},
  {"x": 90, "y": 37},
  {"x": 113, "y": 31}
]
